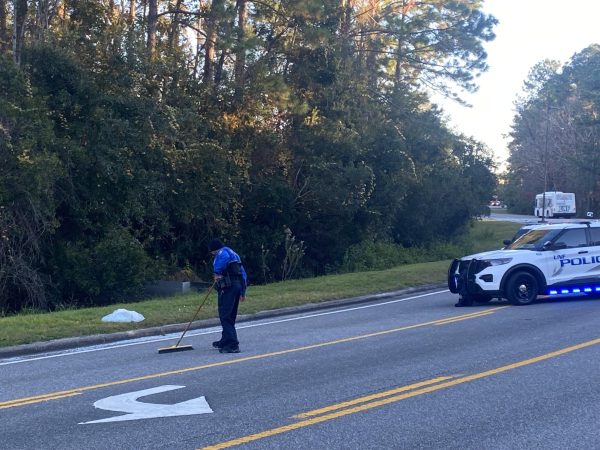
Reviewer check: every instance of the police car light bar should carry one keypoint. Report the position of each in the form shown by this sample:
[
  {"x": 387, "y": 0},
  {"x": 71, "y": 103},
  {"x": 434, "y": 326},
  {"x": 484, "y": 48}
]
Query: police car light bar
[{"x": 575, "y": 290}]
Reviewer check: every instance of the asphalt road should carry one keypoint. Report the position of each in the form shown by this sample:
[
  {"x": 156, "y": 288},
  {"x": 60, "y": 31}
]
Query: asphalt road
[
  {"x": 525, "y": 219},
  {"x": 519, "y": 218},
  {"x": 409, "y": 372}
]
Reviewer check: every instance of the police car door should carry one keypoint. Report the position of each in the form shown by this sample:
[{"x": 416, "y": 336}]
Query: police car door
[
  {"x": 569, "y": 264},
  {"x": 593, "y": 269}
]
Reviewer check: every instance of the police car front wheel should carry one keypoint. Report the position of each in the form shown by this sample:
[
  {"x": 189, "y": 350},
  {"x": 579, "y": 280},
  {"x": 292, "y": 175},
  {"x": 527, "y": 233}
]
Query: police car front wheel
[{"x": 522, "y": 288}]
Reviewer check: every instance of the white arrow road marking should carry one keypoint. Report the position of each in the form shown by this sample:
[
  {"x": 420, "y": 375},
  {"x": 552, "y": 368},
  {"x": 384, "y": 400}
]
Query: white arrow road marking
[{"x": 138, "y": 410}]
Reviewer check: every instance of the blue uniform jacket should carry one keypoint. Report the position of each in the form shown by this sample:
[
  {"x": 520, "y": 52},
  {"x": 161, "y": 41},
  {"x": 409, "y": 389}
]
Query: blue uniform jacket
[{"x": 225, "y": 256}]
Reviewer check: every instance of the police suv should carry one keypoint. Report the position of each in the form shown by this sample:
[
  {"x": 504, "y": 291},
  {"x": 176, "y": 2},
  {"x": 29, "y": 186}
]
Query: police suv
[{"x": 550, "y": 259}]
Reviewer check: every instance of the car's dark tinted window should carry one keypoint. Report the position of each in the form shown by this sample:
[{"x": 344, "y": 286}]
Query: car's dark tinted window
[
  {"x": 573, "y": 238},
  {"x": 595, "y": 233}
]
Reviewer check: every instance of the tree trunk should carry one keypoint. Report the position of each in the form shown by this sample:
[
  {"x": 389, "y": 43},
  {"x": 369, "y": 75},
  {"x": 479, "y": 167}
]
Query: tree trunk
[
  {"x": 131, "y": 10},
  {"x": 20, "y": 17},
  {"x": 211, "y": 41},
  {"x": 42, "y": 19},
  {"x": 373, "y": 40},
  {"x": 4, "y": 36},
  {"x": 173, "y": 32},
  {"x": 219, "y": 68},
  {"x": 198, "y": 45},
  {"x": 152, "y": 23},
  {"x": 240, "y": 57},
  {"x": 407, "y": 5},
  {"x": 345, "y": 15}
]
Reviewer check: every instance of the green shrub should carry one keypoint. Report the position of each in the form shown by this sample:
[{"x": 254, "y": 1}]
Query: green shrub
[
  {"x": 110, "y": 269},
  {"x": 383, "y": 255},
  {"x": 370, "y": 255}
]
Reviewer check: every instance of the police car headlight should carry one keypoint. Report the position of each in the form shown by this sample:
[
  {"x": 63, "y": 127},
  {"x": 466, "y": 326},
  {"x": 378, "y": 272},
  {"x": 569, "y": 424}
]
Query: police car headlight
[{"x": 496, "y": 262}]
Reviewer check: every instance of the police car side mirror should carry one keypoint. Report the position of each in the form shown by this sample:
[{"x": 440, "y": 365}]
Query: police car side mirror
[{"x": 506, "y": 241}]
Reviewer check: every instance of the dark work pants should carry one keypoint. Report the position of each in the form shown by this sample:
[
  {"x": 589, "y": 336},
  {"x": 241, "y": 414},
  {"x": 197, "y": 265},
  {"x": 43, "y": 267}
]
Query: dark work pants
[{"x": 229, "y": 300}]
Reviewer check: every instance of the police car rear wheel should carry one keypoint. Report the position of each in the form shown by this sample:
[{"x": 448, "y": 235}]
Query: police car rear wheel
[{"x": 522, "y": 288}]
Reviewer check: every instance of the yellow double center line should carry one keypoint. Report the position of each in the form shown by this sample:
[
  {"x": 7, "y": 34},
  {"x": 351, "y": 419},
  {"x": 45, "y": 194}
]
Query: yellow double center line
[
  {"x": 37, "y": 399},
  {"x": 384, "y": 398},
  {"x": 368, "y": 398},
  {"x": 71, "y": 392}
]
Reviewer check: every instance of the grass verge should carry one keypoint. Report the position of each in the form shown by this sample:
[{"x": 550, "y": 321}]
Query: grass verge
[{"x": 31, "y": 327}]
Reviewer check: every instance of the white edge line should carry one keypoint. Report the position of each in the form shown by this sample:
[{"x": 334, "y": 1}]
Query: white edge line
[{"x": 142, "y": 341}]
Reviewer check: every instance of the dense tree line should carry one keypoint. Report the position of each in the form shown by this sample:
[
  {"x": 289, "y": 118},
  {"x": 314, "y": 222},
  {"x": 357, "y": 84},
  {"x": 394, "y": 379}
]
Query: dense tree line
[
  {"x": 555, "y": 138},
  {"x": 132, "y": 132}
]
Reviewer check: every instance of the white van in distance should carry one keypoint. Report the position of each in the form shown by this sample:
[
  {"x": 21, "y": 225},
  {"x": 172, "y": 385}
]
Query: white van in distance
[{"x": 558, "y": 204}]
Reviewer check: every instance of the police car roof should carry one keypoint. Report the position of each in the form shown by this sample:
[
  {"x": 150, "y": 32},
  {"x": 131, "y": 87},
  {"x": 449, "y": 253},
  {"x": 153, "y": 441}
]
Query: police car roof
[
  {"x": 560, "y": 222},
  {"x": 531, "y": 226},
  {"x": 574, "y": 224}
]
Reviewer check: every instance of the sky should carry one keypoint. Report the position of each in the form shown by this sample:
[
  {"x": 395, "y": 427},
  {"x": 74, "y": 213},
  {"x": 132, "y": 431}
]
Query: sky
[{"x": 528, "y": 32}]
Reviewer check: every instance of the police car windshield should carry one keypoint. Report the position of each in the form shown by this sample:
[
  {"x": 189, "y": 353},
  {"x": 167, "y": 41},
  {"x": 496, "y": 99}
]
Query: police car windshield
[{"x": 533, "y": 240}]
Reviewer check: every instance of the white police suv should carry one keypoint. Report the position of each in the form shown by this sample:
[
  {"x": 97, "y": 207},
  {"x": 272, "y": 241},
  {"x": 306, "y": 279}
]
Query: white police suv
[{"x": 551, "y": 259}]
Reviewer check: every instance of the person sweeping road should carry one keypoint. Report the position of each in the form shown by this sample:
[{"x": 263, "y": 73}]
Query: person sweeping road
[{"x": 230, "y": 281}]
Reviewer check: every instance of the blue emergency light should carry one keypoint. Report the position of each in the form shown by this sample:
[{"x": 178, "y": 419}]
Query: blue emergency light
[{"x": 575, "y": 290}]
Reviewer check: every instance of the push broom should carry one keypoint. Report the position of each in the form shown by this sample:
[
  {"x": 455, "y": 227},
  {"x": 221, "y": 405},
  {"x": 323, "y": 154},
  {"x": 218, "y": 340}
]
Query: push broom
[{"x": 182, "y": 348}]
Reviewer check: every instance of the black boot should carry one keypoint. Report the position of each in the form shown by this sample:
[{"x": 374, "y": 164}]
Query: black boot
[
  {"x": 229, "y": 349},
  {"x": 463, "y": 302}
]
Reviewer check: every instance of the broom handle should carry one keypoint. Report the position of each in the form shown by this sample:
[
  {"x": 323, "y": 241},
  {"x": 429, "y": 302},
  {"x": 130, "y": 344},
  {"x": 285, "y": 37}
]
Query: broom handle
[{"x": 197, "y": 311}]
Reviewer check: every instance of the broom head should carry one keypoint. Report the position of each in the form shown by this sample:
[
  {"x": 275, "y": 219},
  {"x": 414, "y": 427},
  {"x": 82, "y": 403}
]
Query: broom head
[{"x": 175, "y": 348}]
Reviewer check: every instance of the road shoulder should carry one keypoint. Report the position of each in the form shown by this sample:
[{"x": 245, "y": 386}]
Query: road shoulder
[{"x": 85, "y": 341}]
